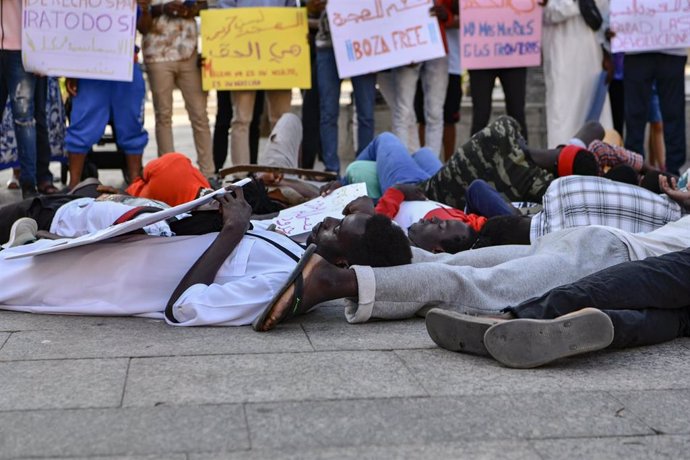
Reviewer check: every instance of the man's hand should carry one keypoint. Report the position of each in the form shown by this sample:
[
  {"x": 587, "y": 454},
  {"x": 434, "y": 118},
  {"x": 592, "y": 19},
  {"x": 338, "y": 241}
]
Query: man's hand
[
  {"x": 440, "y": 12},
  {"x": 71, "y": 85},
  {"x": 234, "y": 208},
  {"x": 360, "y": 205},
  {"x": 330, "y": 187},
  {"x": 670, "y": 188},
  {"x": 411, "y": 192}
]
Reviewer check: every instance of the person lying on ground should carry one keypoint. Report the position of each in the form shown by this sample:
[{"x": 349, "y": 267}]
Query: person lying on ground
[
  {"x": 221, "y": 278},
  {"x": 637, "y": 303},
  {"x": 479, "y": 281}
]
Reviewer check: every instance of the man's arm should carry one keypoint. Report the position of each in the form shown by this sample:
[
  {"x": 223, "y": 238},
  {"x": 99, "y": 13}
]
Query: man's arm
[
  {"x": 236, "y": 212},
  {"x": 145, "y": 19}
]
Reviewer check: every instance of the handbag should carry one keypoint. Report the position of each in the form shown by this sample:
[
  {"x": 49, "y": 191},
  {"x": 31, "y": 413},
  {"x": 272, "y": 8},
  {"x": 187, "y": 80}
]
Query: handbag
[{"x": 591, "y": 14}]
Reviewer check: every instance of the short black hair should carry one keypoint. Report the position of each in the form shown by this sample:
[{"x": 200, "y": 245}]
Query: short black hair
[
  {"x": 500, "y": 230},
  {"x": 585, "y": 164},
  {"x": 383, "y": 244},
  {"x": 650, "y": 181},
  {"x": 458, "y": 243},
  {"x": 623, "y": 173}
]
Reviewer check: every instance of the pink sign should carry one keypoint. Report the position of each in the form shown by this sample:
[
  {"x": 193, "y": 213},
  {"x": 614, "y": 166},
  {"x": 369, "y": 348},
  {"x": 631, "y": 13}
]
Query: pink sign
[{"x": 500, "y": 33}]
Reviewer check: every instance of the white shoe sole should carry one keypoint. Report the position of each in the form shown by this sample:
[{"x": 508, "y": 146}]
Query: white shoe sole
[
  {"x": 23, "y": 231},
  {"x": 528, "y": 343}
]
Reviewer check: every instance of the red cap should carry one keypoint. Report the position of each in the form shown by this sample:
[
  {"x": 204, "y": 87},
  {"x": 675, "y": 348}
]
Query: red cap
[{"x": 566, "y": 159}]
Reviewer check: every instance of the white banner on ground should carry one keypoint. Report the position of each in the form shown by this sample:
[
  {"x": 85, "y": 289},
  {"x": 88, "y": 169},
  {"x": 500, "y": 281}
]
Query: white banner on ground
[
  {"x": 86, "y": 39},
  {"x": 373, "y": 35},
  {"x": 119, "y": 229},
  {"x": 301, "y": 219},
  {"x": 644, "y": 25}
]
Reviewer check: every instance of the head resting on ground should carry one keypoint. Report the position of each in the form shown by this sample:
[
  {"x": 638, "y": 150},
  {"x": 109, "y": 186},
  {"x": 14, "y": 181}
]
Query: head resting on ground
[
  {"x": 575, "y": 160},
  {"x": 438, "y": 235},
  {"x": 361, "y": 239}
]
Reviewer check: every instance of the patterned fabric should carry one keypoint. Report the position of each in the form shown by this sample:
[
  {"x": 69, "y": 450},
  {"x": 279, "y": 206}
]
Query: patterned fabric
[
  {"x": 497, "y": 155},
  {"x": 575, "y": 201},
  {"x": 609, "y": 156},
  {"x": 170, "y": 39},
  {"x": 56, "y": 129}
]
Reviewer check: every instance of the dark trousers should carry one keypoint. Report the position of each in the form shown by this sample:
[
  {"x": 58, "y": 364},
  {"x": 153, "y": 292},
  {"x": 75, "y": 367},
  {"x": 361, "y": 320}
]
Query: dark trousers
[
  {"x": 641, "y": 71},
  {"x": 647, "y": 300},
  {"x": 311, "y": 116},
  {"x": 514, "y": 83},
  {"x": 617, "y": 98},
  {"x": 222, "y": 128}
]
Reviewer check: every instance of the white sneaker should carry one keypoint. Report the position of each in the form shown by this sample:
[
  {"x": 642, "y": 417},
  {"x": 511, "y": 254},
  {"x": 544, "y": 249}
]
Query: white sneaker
[{"x": 23, "y": 231}]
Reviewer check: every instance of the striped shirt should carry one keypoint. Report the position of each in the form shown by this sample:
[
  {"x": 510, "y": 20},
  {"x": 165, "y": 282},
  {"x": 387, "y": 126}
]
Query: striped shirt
[{"x": 575, "y": 201}]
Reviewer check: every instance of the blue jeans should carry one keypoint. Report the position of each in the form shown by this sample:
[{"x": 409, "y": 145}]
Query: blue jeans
[
  {"x": 484, "y": 200},
  {"x": 18, "y": 85},
  {"x": 395, "y": 166},
  {"x": 364, "y": 88}
]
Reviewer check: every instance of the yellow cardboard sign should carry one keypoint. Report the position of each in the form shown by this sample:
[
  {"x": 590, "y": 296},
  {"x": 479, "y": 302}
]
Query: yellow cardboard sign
[{"x": 255, "y": 48}]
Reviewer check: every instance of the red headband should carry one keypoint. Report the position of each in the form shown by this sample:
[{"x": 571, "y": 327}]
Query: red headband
[{"x": 566, "y": 159}]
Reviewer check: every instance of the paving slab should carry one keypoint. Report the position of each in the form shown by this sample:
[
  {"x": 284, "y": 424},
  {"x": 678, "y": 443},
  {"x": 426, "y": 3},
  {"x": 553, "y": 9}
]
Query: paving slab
[
  {"x": 506, "y": 450},
  {"x": 665, "y": 411},
  {"x": 442, "y": 372},
  {"x": 148, "y": 338},
  {"x": 327, "y": 329},
  {"x": 123, "y": 432},
  {"x": 432, "y": 420},
  {"x": 117, "y": 457},
  {"x": 62, "y": 384},
  {"x": 624, "y": 448},
  {"x": 267, "y": 377}
]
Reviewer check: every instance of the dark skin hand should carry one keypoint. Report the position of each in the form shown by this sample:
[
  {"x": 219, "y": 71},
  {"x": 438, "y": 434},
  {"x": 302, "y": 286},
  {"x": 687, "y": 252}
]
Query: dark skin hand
[
  {"x": 362, "y": 205},
  {"x": 671, "y": 189},
  {"x": 330, "y": 187},
  {"x": 411, "y": 192},
  {"x": 236, "y": 213}
]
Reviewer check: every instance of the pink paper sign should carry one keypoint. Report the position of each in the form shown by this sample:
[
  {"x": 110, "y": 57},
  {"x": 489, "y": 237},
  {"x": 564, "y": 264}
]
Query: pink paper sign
[
  {"x": 647, "y": 25},
  {"x": 500, "y": 33}
]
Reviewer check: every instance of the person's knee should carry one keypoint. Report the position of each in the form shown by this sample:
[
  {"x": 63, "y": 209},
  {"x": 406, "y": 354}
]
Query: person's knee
[{"x": 23, "y": 107}]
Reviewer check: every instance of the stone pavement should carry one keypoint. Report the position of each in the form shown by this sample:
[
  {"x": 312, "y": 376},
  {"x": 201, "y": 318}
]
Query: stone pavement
[{"x": 317, "y": 387}]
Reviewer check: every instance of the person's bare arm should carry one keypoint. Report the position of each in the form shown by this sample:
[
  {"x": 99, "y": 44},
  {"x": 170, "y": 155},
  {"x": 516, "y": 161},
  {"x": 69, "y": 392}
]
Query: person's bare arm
[
  {"x": 145, "y": 19},
  {"x": 671, "y": 189},
  {"x": 236, "y": 212}
]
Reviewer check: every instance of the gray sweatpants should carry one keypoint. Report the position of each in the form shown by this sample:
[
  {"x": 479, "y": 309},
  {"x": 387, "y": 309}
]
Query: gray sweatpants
[{"x": 483, "y": 280}]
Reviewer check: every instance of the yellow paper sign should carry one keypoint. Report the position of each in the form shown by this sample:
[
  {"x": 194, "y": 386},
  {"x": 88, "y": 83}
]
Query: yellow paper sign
[{"x": 255, "y": 48}]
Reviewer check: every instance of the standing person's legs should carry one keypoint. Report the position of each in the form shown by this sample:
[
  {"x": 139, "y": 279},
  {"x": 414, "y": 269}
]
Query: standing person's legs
[
  {"x": 44, "y": 178},
  {"x": 434, "y": 76},
  {"x": 329, "y": 103},
  {"x": 617, "y": 98},
  {"x": 311, "y": 116},
  {"x": 188, "y": 79},
  {"x": 255, "y": 126},
  {"x": 364, "y": 89},
  {"x": 279, "y": 103},
  {"x": 481, "y": 90},
  {"x": 394, "y": 165},
  {"x": 88, "y": 119},
  {"x": 127, "y": 107},
  {"x": 670, "y": 78},
  {"x": 20, "y": 90},
  {"x": 451, "y": 114},
  {"x": 403, "y": 122},
  {"x": 242, "y": 111},
  {"x": 514, "y": 83},
  {"x": 162, "y": 82},
  {"x": 637, "y": 86},
  {"x": 221, "y": 129}
]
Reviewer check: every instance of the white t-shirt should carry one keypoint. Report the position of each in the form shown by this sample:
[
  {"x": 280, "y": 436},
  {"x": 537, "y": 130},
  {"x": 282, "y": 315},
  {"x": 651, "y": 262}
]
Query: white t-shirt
[
  {"x": 412, "y": 211},
  {"x": 672, "y": 237},
  {"x": 136, "y": 275}
]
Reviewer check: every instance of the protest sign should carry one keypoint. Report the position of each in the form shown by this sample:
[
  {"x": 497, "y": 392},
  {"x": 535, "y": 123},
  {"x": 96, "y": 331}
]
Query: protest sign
[
  {"x": 85, "y": 39},
  {"x": 255, "y": 48},
  {"x": 301, "y": 219},
  {"x": 644, "y": 25},
  {"x": 118, "y": 229},
  {"x": 373, "y": 35},
  {"x": 500, "y": 33}
]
